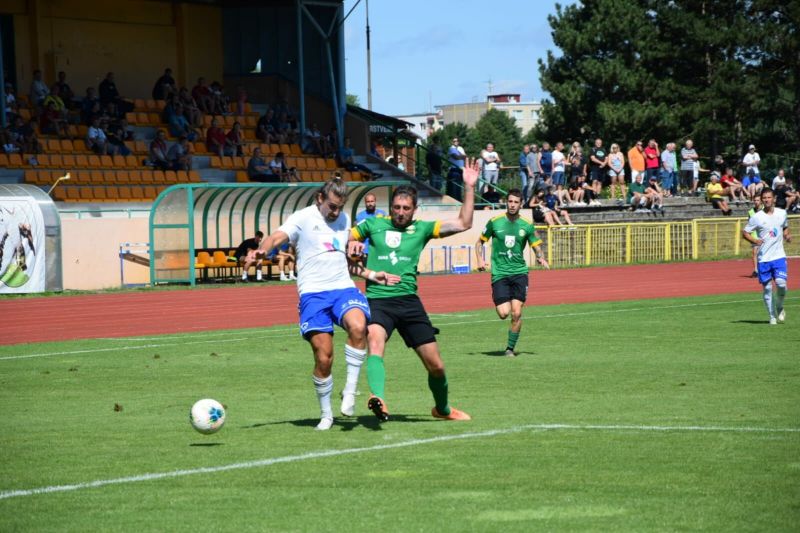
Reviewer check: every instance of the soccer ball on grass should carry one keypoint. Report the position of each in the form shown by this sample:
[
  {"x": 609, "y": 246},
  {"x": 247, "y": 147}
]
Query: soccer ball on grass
[{"x": 207, "y": 416}]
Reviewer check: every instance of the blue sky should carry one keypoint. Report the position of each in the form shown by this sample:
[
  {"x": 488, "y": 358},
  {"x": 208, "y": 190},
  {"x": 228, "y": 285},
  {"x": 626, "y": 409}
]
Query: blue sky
[{"x": 446, "y": 51}]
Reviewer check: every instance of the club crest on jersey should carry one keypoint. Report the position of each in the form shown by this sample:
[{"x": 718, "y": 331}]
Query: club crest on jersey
[
  {"x": 510, "y": 241},
  {"x": 392, "y": 239},
  {"x": 522, "y": 233}
]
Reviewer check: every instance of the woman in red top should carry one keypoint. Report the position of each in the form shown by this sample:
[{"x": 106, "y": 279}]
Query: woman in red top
[
  {"x": 733, "y": 187},
  {"x": 652, "y": 160},
  {"x": 234, "y": 140}
]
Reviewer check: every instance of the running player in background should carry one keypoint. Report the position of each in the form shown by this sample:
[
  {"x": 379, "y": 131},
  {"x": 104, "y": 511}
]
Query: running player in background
[
  {"x": 510, "y": 233},
  {"x": 772, "y": 227},
  {"x": 396, "y": 243},
  {"x": 319, "y": 234}
]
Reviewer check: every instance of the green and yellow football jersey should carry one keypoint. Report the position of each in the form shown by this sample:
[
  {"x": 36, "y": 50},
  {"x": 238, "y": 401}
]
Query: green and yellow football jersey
[{"x": 509, "y": 238}]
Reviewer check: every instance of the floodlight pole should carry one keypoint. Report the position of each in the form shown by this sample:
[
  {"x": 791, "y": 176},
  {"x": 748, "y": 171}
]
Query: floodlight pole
[{"x": 369, "y": 64}]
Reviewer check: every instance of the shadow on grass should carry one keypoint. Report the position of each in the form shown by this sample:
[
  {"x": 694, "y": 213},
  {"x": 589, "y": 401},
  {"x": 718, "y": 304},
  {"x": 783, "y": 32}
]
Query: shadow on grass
[
  {"x": 749, "y": 321},
  {"x": 346, "y": 424},
  {"x": 206, "y": 444},
  {"x": 500, "y": 353}
]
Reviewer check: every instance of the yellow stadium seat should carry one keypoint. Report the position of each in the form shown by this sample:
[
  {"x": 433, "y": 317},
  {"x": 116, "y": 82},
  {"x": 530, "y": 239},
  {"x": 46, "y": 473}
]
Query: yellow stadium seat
[
  {"x": 69, "y": 161},
  {"x": 170, "y": 177},
  {"x": 149, "y": 192},
  {"x": 44, "y": 160},
  {"x": 182, "y": 176},
  {"x": 97, "y": 177},
  {"x": 31, "y": 176},
  {"x": 106, "y": 161},
  {"x": 135, "y": 176},
  {"x": 15, "y": 161},
  {"x": 79, "y": 146},
  {"x": 112, "y": 194},
  {"x": 131, "y": 161},
  {"x": 122, "y": 177},
  {"x": 118, "y": 161},
  {"x": 59, "y": 194},
  {"x": 147, "y": 177},
  {"x": 241, "y": 176},
  {"x": 86, "y": 193},
  {"x": 124, "y": 193},
  {"x": 52, "y": 145},
  {"x": 109, "y": 176},
  {"x": 94, "y": 161},
  {"x": 194, "y": 176},
  {"x": 73, "y": 194}
]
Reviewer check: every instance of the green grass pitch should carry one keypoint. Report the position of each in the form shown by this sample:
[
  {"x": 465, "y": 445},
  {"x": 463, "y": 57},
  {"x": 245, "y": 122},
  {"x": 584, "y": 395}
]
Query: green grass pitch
[{"x": 679, "y": 414}]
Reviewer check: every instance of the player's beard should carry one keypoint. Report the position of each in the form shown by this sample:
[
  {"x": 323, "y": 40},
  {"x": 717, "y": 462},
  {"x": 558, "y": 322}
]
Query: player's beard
[{"x": 407, "y": 219}]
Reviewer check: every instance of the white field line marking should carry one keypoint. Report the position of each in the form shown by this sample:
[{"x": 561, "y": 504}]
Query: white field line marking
[
  {"x": 255, "y": 334},
  {"x": 404, "y": 444},
  {"x": 177, "y": 336}
]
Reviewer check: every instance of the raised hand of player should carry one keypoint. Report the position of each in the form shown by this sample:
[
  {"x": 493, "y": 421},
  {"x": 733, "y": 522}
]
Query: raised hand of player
[
  {"x": 387, "y": 278},
  {"x": 471, "y": 174}
]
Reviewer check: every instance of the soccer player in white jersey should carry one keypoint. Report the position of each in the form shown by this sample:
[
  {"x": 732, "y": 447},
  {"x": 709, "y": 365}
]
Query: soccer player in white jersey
[
  {"x": 328, "y": 295},
  {"x": 772, "y": 228}
]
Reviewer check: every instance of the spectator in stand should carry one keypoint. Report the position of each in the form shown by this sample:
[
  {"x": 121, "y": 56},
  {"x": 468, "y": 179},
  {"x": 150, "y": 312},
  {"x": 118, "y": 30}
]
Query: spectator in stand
[
  {"x": 243, "y": 252},
  {"x": 278, "y": 167},
  {"x": 535, "y": 181},
  {"x": 25, "y": 134},
  {"x": 752, "y": 184},
  {"x": 576, "y": 191},
  {"x": 219, "y": 99},
  {"x": 577, "y": 164},
  {"x": 616, "y": 171},
  {"x": 553, "y": 202},
  {"x": 58, "y": 103},
  {"x": 39, "y": 90},
  {"x": 668, "y": 166},
  {"x": 179, "y": 126},
  {"x": 178, "y": 155},
  {"x": 284, "y": 129},
  {"x": 333, "y": 141},
  {"x": 215, "y": 139},
  {"x": 190, "y": 109},
  {"x": 636, "y": 160},
  {"x": 90, "y": 106},
  {"x": 651, "y": 160},
  {"x": 541, "y": 213},
  {"x": 559, "y": 167},
  {"x": 715, "y": 194},
  {"x": 265, "y": 131},
  {"x": 637, "y": 194},
  {"x": 257, "y": 169},
  {"x": 523, "y": 166},
  {"x": 656, "y": 195},
  {"x": 733, "y": 187},
  {"x": 11, "y": 102},
  {"x": 689, "y": 178},
  {"x": 346, "y": 160},
  {"x": 546, "y": 163},
  {"x": 314, "y": 142},
  {"x": 52, "y": 122},
  {"x": 118, "y": 133},
  {"x": 110, "y": 95},
  {"x": 433, "y": 158},
  {"x": 455, "y": 174},
  {"x": 750, "y": 163},
  {"x": 202, "y": 95},
  {"x": 158, "y": 151},
  {"x": 234, "y": 140},
  {"x": 598, "y": 165},
  {"x": 96, "y": 139},
  {"x": 491, "y": 165},
  {"x": 65, "y": 91},
  {"x": 785, "y": 196},
  {"x": 165, "y": 85},
  {"x": 491, "y": 198}
]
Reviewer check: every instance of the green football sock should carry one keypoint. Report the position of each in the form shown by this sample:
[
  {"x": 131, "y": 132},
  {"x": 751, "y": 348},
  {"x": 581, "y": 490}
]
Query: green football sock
[
  {"x": 512, "y": 339},
  {"x": 376, "y": 375},
  {"x": 438, "y": 387}
]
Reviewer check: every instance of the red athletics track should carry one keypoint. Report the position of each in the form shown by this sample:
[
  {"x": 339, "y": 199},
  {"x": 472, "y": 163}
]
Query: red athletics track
[{"x": 258, "y": 305}]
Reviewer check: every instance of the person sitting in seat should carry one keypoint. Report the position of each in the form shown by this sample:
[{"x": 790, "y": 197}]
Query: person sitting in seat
[
  {"x": 715, "y": 193},
  {"x": 346, "y": 160},
  {"x": 247, "y": 246},
  {"x": 257, "y": 169},
  {"x": 284, "y": 256},
  {"x": 278, "y": 167}
]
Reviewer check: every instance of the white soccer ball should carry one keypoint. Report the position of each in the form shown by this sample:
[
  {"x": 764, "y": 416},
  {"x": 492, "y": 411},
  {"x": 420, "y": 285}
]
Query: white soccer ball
[{"x": 207, "y": 416}]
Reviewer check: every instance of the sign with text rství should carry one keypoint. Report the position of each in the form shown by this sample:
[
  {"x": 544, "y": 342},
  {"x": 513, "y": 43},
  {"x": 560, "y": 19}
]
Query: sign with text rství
[{"x": 22, "y": 246}]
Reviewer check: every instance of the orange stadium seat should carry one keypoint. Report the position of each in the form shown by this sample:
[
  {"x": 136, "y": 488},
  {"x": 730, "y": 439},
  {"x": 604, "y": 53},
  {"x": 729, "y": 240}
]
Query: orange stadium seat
[
  {"x": 73, "y": 194},
  {"x": 109, "y": 176},
  {"x": 139, "y": 104},
  {"x": 79, "y": 146},
  {"x": 182, "y": 176},
  {"x": 124, "y": 193},
  {"x": 94, "y": 161},
  {"x": 131, "y": 161},
  {"x": 86, "y": 193},
  {"x": 112, "y": 193},
  {"x": 97, "y": 177},
  {"x": 106, "y": 161},
  {"x": 194, "y": 176},
  {"x": 44, "y": 160},
  {"x": 153, "y": 119},
  {"x": 60, "y": 195},
  {"x": 122, "y": 177},
  {"x": 147, "y": 176},
  {"x": 241, "y": 176},
  {"x": 82, "y": 161},
  {"x": 51, "y": 145},
  {"x": 118, "y": 161},
  {"x": 140, "y": 147},
  {"x": 15, "y": 161},
  {"x": 4, "y": 160},
  {"x": 31, "y": 176},
  {"x": 149, "y": 192},
  {"x": 99, "y": 193},
  {"x": 69, "y": 161},
  {"x": 158, "y": 177},
  {"x": 135, "y": 176},
  {"x": 170, "y": 177},
  {"x": 132, "y": 118}
]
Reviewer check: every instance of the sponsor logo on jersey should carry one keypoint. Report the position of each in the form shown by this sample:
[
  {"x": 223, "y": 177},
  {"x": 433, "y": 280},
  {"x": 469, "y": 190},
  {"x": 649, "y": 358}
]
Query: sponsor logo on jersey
[
  {"x": 392, "y": 239},
  {"x": 411, "y": 229},
  {"x": 393, "y": 258}
]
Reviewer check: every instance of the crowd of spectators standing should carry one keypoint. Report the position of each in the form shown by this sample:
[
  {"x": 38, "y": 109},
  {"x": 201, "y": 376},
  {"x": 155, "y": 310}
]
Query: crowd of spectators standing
[{"x": 554, "y": 177}]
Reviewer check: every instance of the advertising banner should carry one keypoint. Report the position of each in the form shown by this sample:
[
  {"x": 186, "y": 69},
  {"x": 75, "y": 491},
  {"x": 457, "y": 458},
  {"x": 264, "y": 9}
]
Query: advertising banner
[{"x": 22, "y": 246}]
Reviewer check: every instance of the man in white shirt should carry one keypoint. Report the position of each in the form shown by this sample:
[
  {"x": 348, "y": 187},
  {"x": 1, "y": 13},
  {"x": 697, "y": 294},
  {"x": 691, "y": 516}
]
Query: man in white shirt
[
  {"x": 559, "y": 179},
  {"x": 319, "y": 234},
  {"x": 772, "y": 228},
  {"x": 96, "y": 139},
  {"x": 491, "y": 165},
  {"x": 750, "y": 162}
]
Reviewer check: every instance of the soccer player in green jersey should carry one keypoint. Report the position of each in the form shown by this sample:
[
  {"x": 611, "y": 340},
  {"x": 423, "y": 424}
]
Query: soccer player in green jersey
[
  {"x": 510, "y": 233},
  {"x": 395, "y": 243}
]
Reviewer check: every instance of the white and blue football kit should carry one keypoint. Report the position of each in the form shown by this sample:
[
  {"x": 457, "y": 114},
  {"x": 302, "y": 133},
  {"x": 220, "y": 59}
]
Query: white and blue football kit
[
  {"x": 323, "y": 279},
  {"x": 771, "y": 259}
]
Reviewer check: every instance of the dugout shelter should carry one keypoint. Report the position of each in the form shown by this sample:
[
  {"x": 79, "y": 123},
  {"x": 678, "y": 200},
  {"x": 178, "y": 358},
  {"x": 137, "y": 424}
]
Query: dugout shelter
[{"x": 186, "y": 218}]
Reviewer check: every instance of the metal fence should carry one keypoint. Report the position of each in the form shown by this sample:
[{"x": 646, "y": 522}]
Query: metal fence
[{"x": 593, "y": 244}]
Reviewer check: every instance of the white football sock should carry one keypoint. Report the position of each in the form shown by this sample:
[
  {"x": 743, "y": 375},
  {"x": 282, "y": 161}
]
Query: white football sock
[
  {"x": 244, "y": 275},
  {"x": 354, "y": 359},
  {"x": 258, "y": 275},
  {"x": 780, "y": 294},
  {"x": 324, "y": 388},
  {"x": 768, "y": 299}
]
